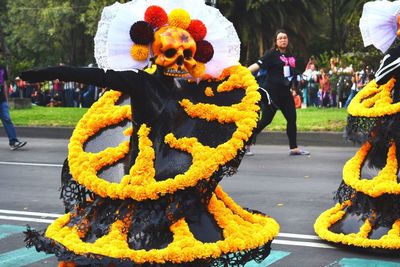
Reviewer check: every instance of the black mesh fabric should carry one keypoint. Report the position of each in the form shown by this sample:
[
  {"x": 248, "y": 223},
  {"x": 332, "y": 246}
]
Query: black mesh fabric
[
  {"x": 238, "y": 259},
  {"x": 381, "y": 211},
  {"x": 156, "y": 107},
  {"x": 151, "y": 220}
]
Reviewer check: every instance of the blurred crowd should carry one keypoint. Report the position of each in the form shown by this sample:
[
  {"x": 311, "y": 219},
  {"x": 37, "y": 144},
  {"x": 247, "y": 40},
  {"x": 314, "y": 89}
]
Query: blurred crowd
[
  {"x": 314, "y": 87},
  {"x": 333, "y": 87},
  {"x": 56, "y": 93}
]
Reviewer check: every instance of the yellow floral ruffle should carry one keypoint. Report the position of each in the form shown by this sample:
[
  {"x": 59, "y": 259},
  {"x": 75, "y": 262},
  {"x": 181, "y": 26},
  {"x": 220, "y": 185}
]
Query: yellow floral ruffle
[
  {"x": 328, "y": 218},
  {"x": 84, "y": 166},
  {"x": 374, "y": 101},
  {"x": 242, "y": 230},
  {"x": 384, "y": 183}
]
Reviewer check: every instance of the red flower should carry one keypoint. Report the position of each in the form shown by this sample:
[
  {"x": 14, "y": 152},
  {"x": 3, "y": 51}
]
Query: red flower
[
  {"x": 204, "y": 51},
  {"x": 156, "y": 16},
  {"x": 141, "y": 32},
  {"x": 197, "y": 29}
]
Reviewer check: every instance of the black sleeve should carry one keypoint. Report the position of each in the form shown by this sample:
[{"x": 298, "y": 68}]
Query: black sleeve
[
  {"x": 265, "y": 60},
  {"x": 125, "y": 81}
]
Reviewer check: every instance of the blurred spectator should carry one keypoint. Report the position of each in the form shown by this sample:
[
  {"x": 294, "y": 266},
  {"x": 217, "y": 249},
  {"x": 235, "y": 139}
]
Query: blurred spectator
[
  {"x": 297, "y": 99},
  {"x": 355, "y": 83},
  {"x": 69, "y": 90},
  {"x": 13, "y": 90},
  {"x": 310, "y": 86},
  {"x": 5, "y": 114},
  {"x": 37, "y": 95},
  {"x": 21, "y": 86},
  {"x": 325, "y": 89},
  {"x": 334, "y": 62},
  {"x": 58, "y": 93},
  {"x": 89, "y": 96}
]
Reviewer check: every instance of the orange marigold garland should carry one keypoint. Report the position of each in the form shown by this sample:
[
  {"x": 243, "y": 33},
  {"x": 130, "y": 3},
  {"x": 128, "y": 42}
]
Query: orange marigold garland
[
  {"x": 374, "y": 101},
  {"x": 242, "y": 230},
  {"x": 206, "y": 160}
]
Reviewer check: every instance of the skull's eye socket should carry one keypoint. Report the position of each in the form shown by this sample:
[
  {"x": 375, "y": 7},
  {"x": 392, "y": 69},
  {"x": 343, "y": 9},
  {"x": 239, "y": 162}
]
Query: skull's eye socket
[
  {"x": 170, "y": 52},
  {"x": 187, "y": 53}
]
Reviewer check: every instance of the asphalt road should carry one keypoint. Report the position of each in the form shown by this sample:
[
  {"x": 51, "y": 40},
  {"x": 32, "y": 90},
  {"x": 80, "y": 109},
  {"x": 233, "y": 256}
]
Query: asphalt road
[{"x": 294, "y": 190}]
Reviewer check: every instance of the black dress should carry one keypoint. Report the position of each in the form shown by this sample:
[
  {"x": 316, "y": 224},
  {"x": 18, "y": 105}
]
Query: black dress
[{"x": 155, "y": 200}]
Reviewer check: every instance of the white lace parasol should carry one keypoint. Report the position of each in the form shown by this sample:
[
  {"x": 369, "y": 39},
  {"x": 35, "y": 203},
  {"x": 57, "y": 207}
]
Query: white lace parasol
[{"x": 113, "y": 43}]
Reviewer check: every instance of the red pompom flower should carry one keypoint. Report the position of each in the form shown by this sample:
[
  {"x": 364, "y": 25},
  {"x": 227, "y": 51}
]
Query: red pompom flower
[
  {"x": 156, "y": 16},
  {"x": 204, "y": 51},
  {"x": 197, "y": 29},
  {"x": 141, "y": 32}
]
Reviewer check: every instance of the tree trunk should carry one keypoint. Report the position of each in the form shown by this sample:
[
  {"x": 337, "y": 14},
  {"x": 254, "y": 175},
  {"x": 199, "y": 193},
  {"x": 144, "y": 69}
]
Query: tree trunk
[{"x": 261, "y": 49}]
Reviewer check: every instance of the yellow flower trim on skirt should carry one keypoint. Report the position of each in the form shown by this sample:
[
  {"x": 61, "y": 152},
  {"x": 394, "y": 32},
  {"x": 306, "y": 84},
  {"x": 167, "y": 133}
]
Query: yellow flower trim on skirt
[
  {"x": 384, "y": 183},
  {"x": 206, "y": 160},
  {"x": 374, "y": 101},
  {"x": 242, "y": 230},
  {"x": 328, "y": 218}
]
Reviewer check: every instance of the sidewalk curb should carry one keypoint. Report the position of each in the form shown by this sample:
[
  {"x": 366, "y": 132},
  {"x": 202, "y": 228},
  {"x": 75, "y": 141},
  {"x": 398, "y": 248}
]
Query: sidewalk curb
[{"x": 265, "y": 138}]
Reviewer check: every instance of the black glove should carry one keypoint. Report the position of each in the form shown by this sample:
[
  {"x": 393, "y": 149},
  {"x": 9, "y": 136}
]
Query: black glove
[
  {"x": 39, "y": 75},
  {"x": 390, "y": 67}
]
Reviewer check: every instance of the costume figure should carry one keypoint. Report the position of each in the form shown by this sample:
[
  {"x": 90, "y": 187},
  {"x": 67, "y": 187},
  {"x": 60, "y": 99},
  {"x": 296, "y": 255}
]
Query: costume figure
[
  {"x": 152, "y": 199},
  {"x": 368, "y": 212}
]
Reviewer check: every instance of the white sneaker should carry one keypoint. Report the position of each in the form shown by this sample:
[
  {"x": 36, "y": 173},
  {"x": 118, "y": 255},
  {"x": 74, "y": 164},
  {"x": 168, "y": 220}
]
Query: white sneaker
[
  {"x": 17, "y": 145},
  {"x": 248, "y": 151}
]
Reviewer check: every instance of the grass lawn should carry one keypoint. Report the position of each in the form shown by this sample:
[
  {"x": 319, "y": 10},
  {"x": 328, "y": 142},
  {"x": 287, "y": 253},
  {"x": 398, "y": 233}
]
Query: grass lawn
[
  {"x": 47, "y": 116},
  {"x": 313, "y": 119},
  {"x": 310, "y": 119}
]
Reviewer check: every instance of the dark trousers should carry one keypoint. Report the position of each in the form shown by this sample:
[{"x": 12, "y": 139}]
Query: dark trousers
[{"x": 286, "y": 104}]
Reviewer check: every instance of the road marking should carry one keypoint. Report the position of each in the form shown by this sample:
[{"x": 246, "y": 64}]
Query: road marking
[
  {"x": 273, "y": 257},
  {"x": 298, "y": 236},
  {"x": 30, "y": 213},
  {"x": 302, "y": 244},
  {"x": 30, "y": 164},
  {"x": 43, "y": 219},
  {"x": 25, "y": 219},
  {"x": 355, "y": 262},
  {"x": 7, "y": 230},
  {"x": 21, "y": 257}
]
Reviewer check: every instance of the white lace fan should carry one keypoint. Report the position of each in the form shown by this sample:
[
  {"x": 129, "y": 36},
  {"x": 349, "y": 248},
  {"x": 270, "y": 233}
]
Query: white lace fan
[{"x": 378, "y": 23}]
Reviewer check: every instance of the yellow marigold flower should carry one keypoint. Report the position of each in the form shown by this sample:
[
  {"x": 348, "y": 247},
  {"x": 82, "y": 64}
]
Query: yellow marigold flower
[
  {"x": 179, "y": 18},
  {"x": 140, "y": 52},
  {"x": 209, "y": 92}
]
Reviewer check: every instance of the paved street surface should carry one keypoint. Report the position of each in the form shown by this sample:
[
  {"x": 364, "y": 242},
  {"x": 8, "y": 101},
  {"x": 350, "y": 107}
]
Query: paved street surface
[{"x": 292, "y": 189}]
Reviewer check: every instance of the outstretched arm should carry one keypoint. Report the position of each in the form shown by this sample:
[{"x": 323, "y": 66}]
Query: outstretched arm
[
  {"x": 254, "y": 68},
  {"x": 125, "y": 81}
]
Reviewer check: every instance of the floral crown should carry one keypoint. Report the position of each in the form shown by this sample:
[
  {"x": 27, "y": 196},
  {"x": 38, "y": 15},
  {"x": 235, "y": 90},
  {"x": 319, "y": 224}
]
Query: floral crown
[
  {"x": 155, "y": 17},
  {"x": 126, "y": 31}
]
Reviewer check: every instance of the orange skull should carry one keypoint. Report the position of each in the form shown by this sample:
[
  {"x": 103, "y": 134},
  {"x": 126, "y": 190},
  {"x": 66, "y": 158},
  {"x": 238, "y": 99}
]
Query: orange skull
[{"x": 173, "y": 50}]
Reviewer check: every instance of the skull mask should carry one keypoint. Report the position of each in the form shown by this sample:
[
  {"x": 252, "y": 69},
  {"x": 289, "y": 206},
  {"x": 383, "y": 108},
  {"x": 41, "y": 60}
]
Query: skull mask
[{"x": 174, "y": 49}]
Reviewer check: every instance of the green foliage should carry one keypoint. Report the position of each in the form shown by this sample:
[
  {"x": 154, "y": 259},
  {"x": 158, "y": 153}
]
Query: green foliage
[
  {"x": 323, "y": 59},
  {"x": 46, "y": 32},
  {"x": 39, "y": 33},
  {"x": 257, "y": 20},
  {"x": 91, "y": 16}
]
